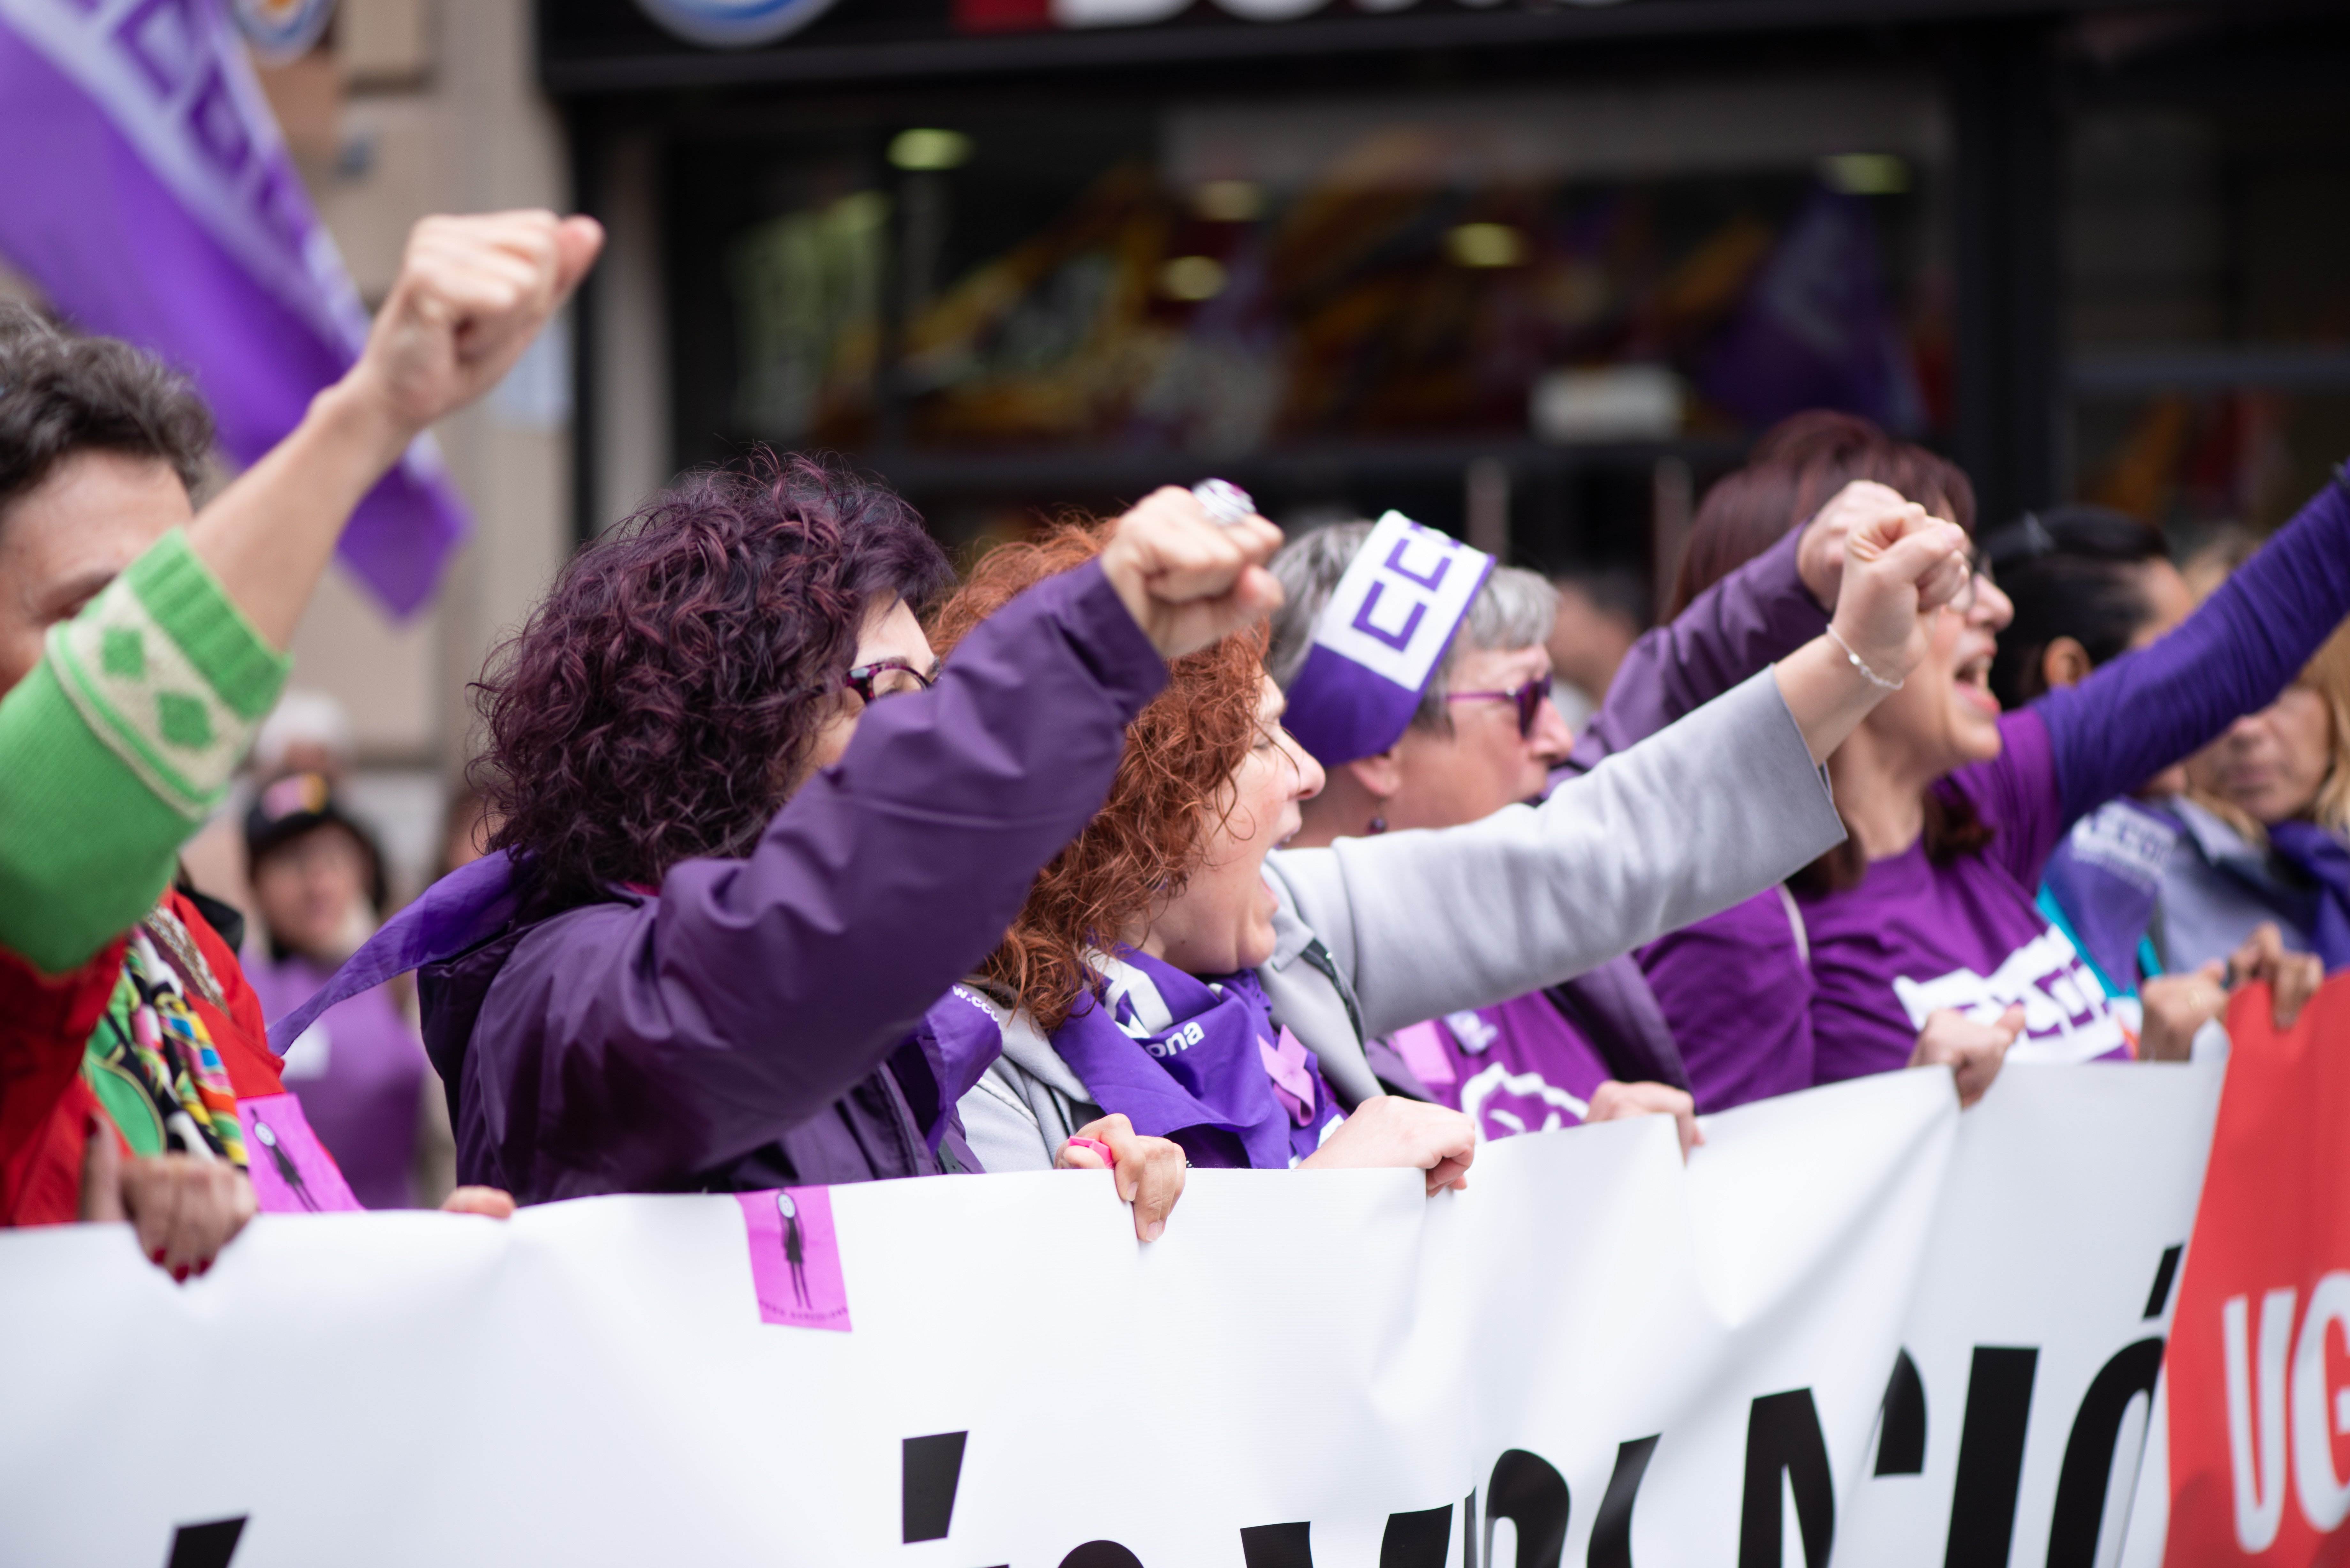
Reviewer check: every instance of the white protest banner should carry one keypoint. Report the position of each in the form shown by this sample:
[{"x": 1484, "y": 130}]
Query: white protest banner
[{"x": 1593, "y": 1356}]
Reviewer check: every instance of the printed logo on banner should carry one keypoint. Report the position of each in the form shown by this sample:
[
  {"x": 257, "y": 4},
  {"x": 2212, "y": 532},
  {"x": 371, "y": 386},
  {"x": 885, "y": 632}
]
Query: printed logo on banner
[
  {"x": 795, "y": 1257},
  {"x": 1396, "y": 606},
  {"x": 2067, "y": 1016},
  {"x": 2260, "y": 1353},
  {"x": 291, "y": 1170},
  {"x": 733, "y": 23}
]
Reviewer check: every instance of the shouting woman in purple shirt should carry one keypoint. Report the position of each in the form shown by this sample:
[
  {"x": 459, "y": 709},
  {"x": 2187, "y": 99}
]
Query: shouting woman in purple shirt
[{"x": 1954, "y": 806}]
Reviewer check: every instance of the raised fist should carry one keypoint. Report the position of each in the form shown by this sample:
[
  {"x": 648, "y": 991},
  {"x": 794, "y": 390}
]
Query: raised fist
[{"x": 471, "y": 294}]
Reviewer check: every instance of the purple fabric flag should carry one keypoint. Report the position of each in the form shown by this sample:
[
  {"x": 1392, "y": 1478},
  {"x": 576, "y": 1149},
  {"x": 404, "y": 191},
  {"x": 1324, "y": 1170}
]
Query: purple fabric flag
[
  {"x": 148, "y": 192},
  {"x": 1815, "y": 330},
  {"x": 1377, "y": 642}
]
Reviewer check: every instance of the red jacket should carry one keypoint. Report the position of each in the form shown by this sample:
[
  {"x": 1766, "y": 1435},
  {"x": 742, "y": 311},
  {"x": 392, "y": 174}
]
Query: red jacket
[{"x": 45, "y": 1023}]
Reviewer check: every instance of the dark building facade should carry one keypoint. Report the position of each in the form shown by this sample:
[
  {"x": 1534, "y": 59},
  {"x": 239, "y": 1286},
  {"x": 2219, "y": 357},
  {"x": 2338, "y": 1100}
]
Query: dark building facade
[{"x": 1530, "y": 271}]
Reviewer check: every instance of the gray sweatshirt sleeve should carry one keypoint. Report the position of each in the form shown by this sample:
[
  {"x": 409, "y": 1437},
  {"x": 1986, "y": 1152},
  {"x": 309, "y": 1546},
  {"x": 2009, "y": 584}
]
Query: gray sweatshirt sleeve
[{"x": 1687, "y": 823}]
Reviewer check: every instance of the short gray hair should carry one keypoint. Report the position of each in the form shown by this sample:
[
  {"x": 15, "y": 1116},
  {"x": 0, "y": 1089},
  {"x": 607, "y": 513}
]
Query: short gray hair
[{"x": 1513, "y": 610}]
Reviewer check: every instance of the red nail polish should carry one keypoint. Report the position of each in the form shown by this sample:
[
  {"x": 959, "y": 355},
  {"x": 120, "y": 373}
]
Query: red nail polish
[
  {"x": 156, "y": 1257},
  {"x": 180, "y": 1274},
  {"x": 204, "y": 1267}
]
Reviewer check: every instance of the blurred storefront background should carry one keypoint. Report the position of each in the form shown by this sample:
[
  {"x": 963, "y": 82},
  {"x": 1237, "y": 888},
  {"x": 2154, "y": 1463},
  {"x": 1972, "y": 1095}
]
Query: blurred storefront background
[{"x": 1534, "y": 271}]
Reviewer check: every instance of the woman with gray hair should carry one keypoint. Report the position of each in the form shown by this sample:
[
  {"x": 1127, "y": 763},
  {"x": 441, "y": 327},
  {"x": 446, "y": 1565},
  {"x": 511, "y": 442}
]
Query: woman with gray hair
[{"x": 1483, "y": 735}]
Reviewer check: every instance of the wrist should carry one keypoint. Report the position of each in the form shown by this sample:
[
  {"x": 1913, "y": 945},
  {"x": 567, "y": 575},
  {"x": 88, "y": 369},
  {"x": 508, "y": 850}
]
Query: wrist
[
  {"x": 1882, "y": 669},
  {"x": 352, "y": 414}
]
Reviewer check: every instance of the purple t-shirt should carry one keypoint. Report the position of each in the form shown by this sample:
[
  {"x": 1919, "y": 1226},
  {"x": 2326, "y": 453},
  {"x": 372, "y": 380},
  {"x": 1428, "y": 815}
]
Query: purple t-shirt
[
  {"x": 1517, "y": 1067},
  {"x": 1737, "y": 990},
  {"x": 359, "y": 1070},
  {"x": 1915, "y": 937}
]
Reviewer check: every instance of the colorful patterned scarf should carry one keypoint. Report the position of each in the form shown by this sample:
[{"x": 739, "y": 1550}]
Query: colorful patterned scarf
[{"x": 151, "y": 1062}]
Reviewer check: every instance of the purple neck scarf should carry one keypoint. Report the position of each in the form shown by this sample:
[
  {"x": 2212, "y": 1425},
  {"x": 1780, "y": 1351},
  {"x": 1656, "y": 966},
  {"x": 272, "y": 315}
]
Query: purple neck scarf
[
  {"x": 2320, "y": 855},
  {"x": 461, "y": 910},
  {"x": 2105, "y": 877},
  {"x": 1175, "y": 1055}
]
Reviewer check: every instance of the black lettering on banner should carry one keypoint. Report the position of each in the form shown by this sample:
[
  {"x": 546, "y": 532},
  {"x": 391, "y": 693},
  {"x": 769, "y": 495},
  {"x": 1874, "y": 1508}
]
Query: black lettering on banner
[
  {"x": 2089, "y": 1452},
  {"x": 1525, "y": 1490},
  {"x": 1901, "y": 1431},
  {"x": 1277, "y": 1546},
  {"x": 1469, "y": 1529},
  {"x": 207, "y": 1545},
  {"x": 1611, "y": 1532},
  {"x": 1418, "y": 1539},
  {"x": 1991, "y": 1457},
  {"x": 931, "y": 1467},
  {"x": 1783, "y": 1436},
  {"x": 2159, "y": 1297},
  {"x": 1101, "y": 1554}
]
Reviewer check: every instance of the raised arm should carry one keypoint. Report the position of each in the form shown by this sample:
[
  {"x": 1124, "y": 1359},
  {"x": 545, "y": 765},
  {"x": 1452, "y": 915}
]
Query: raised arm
[
  {"x": 1757, "y": 615},
  {"x": 1429, "y": 922},
  {"x": 756, "y": 993},
  {"x": 2142, "y": 711},
  {"x": 124, "y": 737},
  {"x": 1698, "y": 816}
]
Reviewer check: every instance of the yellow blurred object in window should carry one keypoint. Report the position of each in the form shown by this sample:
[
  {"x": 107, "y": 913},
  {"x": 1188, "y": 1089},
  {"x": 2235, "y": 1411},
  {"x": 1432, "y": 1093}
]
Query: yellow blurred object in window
[
  {"x": 1191, "y": 279},
  {"x": 1486, "y": 244},
  {"x": 925, "y": 149}
]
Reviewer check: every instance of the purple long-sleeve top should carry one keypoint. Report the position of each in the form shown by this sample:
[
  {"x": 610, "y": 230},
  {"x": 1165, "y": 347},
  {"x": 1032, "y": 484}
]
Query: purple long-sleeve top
[
  {"x": 761, "y": 1020},
  {"x": 1734, "y": 989},
  {"x": 1745, "y": 1005},
  {"x": 1915, "y": 935}
]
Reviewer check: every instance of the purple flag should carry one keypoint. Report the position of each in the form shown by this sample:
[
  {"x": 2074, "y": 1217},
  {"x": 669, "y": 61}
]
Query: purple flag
[{"x": 144, "y": 187}]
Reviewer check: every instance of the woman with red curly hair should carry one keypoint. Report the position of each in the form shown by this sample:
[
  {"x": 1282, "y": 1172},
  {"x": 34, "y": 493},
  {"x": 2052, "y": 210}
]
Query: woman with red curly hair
[
  {"x": 1175, "y": 968},
  {"x": 751, "y": 836}
]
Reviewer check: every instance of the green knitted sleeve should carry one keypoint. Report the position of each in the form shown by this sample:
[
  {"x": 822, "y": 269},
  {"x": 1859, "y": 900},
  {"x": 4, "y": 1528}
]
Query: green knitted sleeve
[{"x": 117, "y": 745}]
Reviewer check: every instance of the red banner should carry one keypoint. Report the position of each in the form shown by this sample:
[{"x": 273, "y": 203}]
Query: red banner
[{"x": 2260, "y": 1350}]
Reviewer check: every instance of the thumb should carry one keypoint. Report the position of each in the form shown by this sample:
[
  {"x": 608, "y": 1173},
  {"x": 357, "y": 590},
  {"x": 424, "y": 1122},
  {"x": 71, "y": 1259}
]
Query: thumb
[
  {"x": 579, "y": 240},
  {"x": 101, "y": 1173},
  {"x": 2010, "y": 1024}
]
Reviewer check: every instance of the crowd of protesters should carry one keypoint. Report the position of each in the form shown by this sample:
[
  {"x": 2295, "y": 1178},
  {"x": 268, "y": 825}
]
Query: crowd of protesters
[{"x": 1156, "y": 841}]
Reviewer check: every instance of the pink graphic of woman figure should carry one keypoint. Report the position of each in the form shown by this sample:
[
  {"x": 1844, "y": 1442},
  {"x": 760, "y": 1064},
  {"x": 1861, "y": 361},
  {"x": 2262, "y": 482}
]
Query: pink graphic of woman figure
[{"x": 794, "y": 1248}]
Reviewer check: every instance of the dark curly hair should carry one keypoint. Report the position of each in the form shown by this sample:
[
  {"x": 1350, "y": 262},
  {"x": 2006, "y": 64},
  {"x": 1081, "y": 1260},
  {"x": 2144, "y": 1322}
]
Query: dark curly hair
[
  {"x": 1173, "y": 784},
  {"x": 661, "y": 703},
  {"x": 61, "y": 393}
]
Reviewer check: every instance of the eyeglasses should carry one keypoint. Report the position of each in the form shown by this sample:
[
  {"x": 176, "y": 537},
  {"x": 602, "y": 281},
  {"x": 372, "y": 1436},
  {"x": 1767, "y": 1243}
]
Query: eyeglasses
[
  {"x": 1529, "y": 699},
  {"x": 888, "y": 678}
]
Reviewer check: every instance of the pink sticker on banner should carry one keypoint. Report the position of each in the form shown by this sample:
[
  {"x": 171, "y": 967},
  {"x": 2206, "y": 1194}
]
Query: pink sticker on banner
[
  {"x": 795, "y": 1257},
  {"x": 1423, "y": 1053},
  {"x": 291, "y": 1170}
]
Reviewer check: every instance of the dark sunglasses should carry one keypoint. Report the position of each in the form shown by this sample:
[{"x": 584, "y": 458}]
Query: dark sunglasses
[
  {"x": 1529, "y": 699},
  {"x": 888, "y": 678}
]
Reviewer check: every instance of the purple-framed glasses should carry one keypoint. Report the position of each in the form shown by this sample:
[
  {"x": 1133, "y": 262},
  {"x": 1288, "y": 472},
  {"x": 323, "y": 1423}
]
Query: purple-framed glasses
[
  {"x": 1529, "y": 699},
  {"x": 888, "y": 678}
]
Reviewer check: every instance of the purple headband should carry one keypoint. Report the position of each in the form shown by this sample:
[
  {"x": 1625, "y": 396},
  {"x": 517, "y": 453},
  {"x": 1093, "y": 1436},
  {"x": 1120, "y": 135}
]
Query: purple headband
[{"x": 1377, "y": 642}]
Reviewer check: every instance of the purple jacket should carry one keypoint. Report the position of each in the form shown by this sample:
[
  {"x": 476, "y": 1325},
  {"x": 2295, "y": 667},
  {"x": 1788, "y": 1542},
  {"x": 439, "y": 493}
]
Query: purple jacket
[{"x": 761, "y": 1021}]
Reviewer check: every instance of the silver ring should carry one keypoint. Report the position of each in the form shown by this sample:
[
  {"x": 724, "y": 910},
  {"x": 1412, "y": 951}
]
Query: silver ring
[{"x": 1225, "y": 501}]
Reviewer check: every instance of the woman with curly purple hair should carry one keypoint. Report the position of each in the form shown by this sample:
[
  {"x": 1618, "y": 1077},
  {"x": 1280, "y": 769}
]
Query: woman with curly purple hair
[{"x": 732, "y": 884}]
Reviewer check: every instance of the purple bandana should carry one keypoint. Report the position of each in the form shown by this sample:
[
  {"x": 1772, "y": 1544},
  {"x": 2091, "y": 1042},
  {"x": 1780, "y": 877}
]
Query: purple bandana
[
  {"x": 2105, "y": 878},
  {"x": 1189, "y": 1059},
  {"x": 1377, "y": 642}
]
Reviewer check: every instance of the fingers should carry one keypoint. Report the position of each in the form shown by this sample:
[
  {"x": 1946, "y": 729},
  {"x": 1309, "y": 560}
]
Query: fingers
[
  {"x": 1452, "y": 1140},
  {"x": 1160, "y": 1168},
  {"x": 151, "y": 1198},
  {"x": 2297, "y": 978},
  {"x": 1149, "y": 1171},
  {"x": 490, "y": 1202},
  {"x": 1916, "y": 548},
  {"x": 1450, "y": 1171},
  {"x": 1186, "y": 579}
]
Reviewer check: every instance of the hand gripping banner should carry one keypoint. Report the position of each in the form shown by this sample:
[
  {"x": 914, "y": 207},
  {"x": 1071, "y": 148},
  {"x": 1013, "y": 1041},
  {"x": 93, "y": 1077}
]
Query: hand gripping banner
[{"x": 1857, "y": 1322}]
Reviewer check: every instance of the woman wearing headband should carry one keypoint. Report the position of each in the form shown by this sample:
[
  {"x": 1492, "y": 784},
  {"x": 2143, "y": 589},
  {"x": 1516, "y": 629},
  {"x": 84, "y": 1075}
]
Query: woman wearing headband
[
  {"x": 1173, "y": 967},
  {"x": 1483, "y": 736}
]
